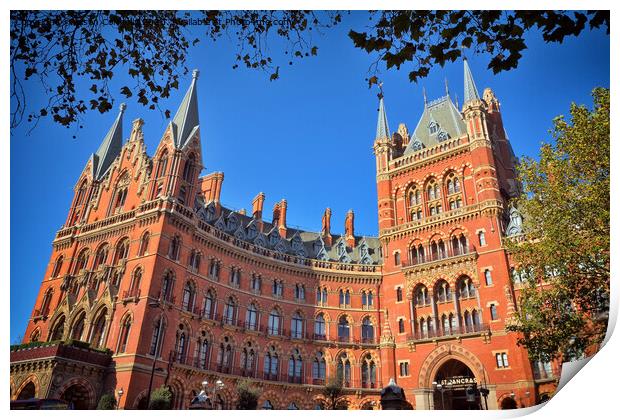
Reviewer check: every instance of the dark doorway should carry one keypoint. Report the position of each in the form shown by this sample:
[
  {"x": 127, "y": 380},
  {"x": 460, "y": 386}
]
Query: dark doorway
[
  {"x": 509, "y": 403},
  {"x": 27, "y": 392},
  {"x": 77, "y": 397},
  {"x": 455, "y": 387}
]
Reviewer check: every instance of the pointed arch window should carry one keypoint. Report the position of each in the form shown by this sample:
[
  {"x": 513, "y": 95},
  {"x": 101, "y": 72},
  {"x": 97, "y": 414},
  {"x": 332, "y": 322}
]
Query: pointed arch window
[
  {"x": 368, "y": 331},
  {"x": 203, "y": 352},
  {"x": 251, "y": 317},
  {"x": 319, "y": 367},
  {"x": 174, "y": 249},
  {"x": 134, "y": 288},
  {"x": 188, "y": 169},
  {"x": 271, "y": 364},
  {"x": 58, "y": 330},
  {"x": 247, "y": 360},
  {"x": 167, "y": 287},
  {"x": 124, "y": 336},
  {"x": 275, "y": 321},
  {"x": 369, "y": 372},
  {"x": 344, "y": 329},
  {"x": 188, "y": 296},
  {"x": 47, "y": 300},
  {"x": 158, "y": 329},
  {"x": 163, "y": 164},
  {"x": 180, "y": 347},
  {"x": 144, "y": 244},
  {"x": 343, "y": 370},
  {"x": 208, "y": 309},
  {"x": 225, "y": 356},
  {"x": 295, "y": 367},
  {"x": 81, "y": 262},
  {"x": 57, "y": 266},
  {"x": 122, "y": 251},
  {"x": 230, "y": 310},
  {"x": 319, "y": 327},
  {"x": 297, "y": 326},
  {"x": 97, "y": 338},
  {"x": 399, "y": 294},
  {"x": 101, "y": 256},
  {"x": 78, "y": 327}
]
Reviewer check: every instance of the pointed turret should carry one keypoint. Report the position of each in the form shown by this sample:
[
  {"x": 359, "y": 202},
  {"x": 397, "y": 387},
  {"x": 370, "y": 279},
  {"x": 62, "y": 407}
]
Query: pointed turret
[
  {"x": 185, "y": 122},
  {"x": 383, "y": 129},
  {"x": 471, "y": 92},
  {"x": 110, "y": 146}
]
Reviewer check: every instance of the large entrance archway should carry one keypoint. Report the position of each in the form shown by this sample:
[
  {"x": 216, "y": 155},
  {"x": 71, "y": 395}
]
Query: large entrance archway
[
  {"x": 77, "y": 396},
  {"x": 27, "y": 392},
  {"x": 455, "y": 387}
]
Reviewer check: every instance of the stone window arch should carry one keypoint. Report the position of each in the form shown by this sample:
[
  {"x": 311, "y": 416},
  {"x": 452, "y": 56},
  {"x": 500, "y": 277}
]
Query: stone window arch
[
  {"x": 295, "y": 367},
  {"x": 369, "y": 372}
]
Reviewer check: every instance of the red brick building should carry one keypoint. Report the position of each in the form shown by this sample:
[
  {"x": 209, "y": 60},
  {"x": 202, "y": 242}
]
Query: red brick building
[{"x": 150, "y": 265}]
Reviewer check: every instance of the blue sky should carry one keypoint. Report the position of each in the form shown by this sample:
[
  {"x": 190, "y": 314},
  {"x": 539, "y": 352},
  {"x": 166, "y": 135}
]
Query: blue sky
[{"x": 306, "y": 137}]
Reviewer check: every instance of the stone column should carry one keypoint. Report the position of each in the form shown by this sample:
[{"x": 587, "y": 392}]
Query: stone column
[{"x": 423, "y": 399}]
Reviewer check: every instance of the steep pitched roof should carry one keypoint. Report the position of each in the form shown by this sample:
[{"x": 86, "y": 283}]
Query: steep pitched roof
[
  {"x": 110, "y": 146},
  {"x": 448, "y": 122},
  {"x": 185, "y": 121},
  {"x": 383, "y": 129},
  {"x": 471, "y": 92}
]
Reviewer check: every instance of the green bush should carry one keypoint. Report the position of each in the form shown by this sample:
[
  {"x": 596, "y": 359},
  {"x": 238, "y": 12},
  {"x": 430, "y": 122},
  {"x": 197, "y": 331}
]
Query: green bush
[
  {"x": 107, "y": 402},
  {"x": 161, "y": 399},
  {"x": 248, "y": 395}
]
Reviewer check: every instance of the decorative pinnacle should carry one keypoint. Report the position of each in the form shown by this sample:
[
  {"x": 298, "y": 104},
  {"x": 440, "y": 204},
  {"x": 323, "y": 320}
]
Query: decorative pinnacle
[
  {"x": 122, "y": 107},
  {"x": 195, "y": 74}
]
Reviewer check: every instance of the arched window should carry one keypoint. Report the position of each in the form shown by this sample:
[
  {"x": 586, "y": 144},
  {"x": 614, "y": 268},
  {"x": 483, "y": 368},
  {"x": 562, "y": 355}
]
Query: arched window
[
  {"x": 208, "y": 308},
  {"x": 368, "y": 331},
  {"x": 417, "y": 254},
  {"x": 167, "y": 287},
  {"x": 144, "y": 244},
  {"x": 122, "y": 251},
  {"x": 295, "y": 367},
  {"x": 267, "y": 405},
  {"x": 443, "y": 292},
  {"x": 247, "y": 360},
  {"x": 401, "y": 326},
  {"x": 397, "y": 258},
  {"x": 459, "y": 245},
  {"x": 158, "y": 330},
  {"x": 224, "y": 356},
  {"x": 47, "y": 300},
  {"x": 203, "y": 352},
  {"x": 292, "y": 406},
  {"x": 174, "y": 249},
  {"x": 324, "y": 296},
  {"x": 163, "y": 164},
  {"x": 180, "y": 347},
  {"x": 251, "y": 317},
  {"x": 101, "y": 256},
  {"x": 344, "y": 329},
  {"x": 230, "y": 310},
  {"x": 188, "y": 169},
  {"x": 344, "y": 370},
  {"x": 120, "y": 196},
  {"x": 341, "y": 297},
  {"x": 97, "y": 336},
  {"x": 300, "y": 292},
  {"x": 475, "y": 318},
  {"x": 277, "y": 288},
  {"x": 58, "y": 330},
  {"x": 319, "y": 367},
  {"x": 399, "y": 294},
  {"x": 182, "y": 194},
  {"x": 466, "y": 288},
  {"x": 214, "y": 269},
  {"x": 364, "y": 299},
  {"x": 488, "y": 280},
  {"x": 57, "y": 266},
  {"x": 297, "y": 326},
  {"x": 134, "y": 288},
  {"x": 274, "y": 322},
  {"x": 235, "y": 276},
  {"x": 421, "y": 296},
  {"x": 78, "y": 327},
  {"x": 370, "y": 298},
  {"x": 81, "y": 262},
  {"x": 188, "y": 297},
  {"x": 482, "y": 239},
  {"x": 124, "y": 335},
  {"x": 369, "y": 372},
  {"x": 319, "y": 327},
  {"x": 270, "y": 366}
]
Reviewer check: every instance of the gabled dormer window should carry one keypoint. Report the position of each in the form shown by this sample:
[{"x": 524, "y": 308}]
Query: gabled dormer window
[{"x": 433, "y": 127}]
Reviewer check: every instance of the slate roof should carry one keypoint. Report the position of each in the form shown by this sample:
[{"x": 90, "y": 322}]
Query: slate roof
[
  {"x": 300, "y": 243},
  {"x": 110, "y": 147},
  {"x": 448, "y": 121},
  {"x": 185, "y": 122}
]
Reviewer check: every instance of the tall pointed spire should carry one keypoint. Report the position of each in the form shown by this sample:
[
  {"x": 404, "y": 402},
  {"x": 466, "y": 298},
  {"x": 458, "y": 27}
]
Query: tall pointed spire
[
  {"x": 110, "y": 146},
  {"x": 471, "y": 92},
  {"x": 185, "y": 122},
  {"x": 383, "y": 129}
]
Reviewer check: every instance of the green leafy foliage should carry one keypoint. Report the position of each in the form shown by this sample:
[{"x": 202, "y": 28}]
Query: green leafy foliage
[
  {"x": 564, "y": 305},
  {"x": 107, "y": 402},
  {"x": 161, "y": 399},
  {"x": 332, "y": 391},
  {"x": 248, "y": 395}
]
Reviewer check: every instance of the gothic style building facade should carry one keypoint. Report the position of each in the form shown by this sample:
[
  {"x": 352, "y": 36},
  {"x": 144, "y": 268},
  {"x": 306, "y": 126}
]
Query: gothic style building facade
[{"x": 180, "y": 289}]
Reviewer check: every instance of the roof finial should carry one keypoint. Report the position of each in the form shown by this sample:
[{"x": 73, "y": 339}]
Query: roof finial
[
  {"x": 195, "y": 74},
  {"x": 447, "y": 90},
  {"x": 424, "y": 94},
  {"x": 380, "y": 94},
  {"x": 471, "y": 92},
  {"x": 122, "y": 107},
  {"x": 383, "y": 129}
]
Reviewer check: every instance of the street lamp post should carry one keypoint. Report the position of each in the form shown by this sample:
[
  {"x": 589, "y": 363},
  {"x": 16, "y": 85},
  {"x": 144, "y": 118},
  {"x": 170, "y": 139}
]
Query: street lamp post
[
  {"x": 441, "y": 389},
  {"x": 208, "y": 393},
  {"x": 158, "y": 342},
  {"x": 120, "y": 395}
]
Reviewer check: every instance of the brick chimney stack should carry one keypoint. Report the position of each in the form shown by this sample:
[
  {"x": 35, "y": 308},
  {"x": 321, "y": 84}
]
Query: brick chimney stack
[
  {"x": 211, "y": 188},
  {"x": 326, "y": 227},
  {"x": 349, "y": 230},
  {"x": 257, "y": 206},
  {"x": 282, "y": 220}
]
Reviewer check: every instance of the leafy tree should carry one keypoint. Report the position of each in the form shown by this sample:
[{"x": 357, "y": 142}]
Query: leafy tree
[
  {"x": 248, "y": 395},
  {"x": 75, "y": 54},
  {"x": 161, "y": 399},
  {"x": 565, "y": 302},
  {"x": 332, "y": 391},
  {"x": 106, "y": 402}
]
